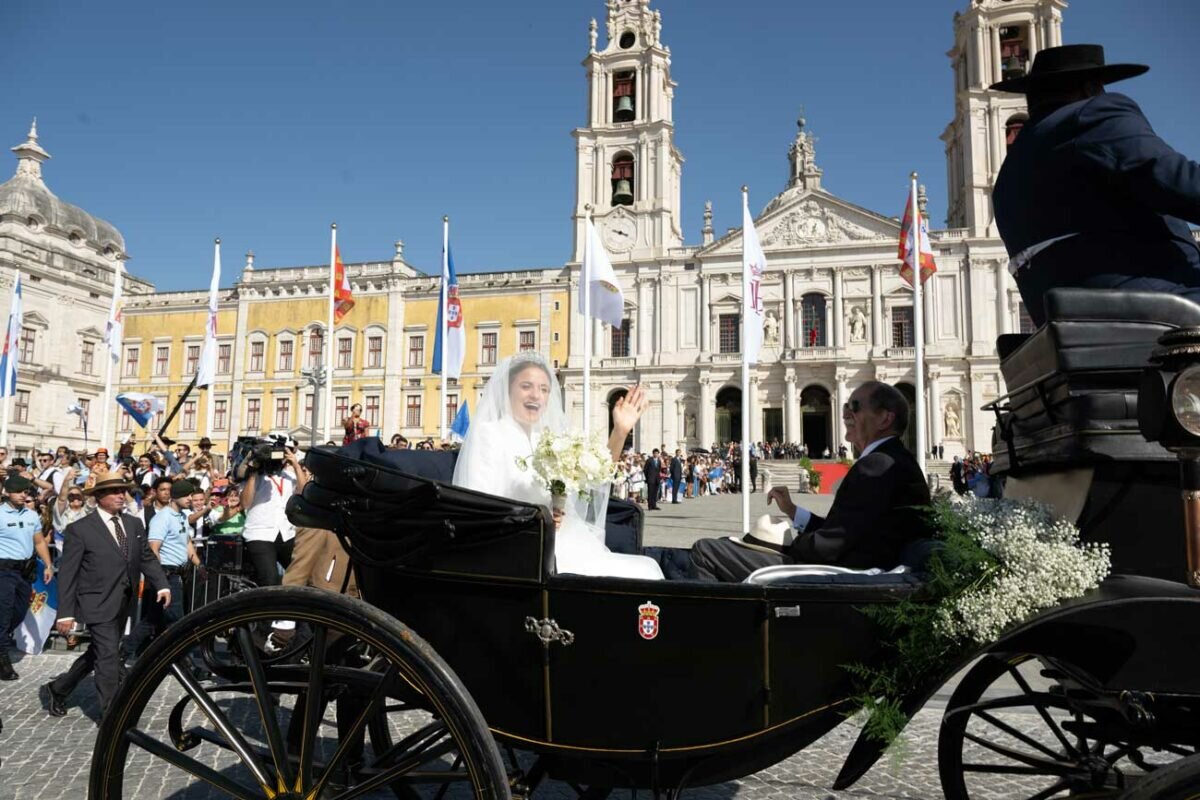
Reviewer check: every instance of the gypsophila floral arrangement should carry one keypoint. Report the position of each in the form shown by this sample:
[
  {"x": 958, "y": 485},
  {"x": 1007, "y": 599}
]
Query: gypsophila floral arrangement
[
  {"x": 999, "y": 563},
  {"x": 569, "y": 462}
]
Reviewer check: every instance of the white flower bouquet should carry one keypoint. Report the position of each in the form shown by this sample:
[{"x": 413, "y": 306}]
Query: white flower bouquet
[
  {"x": 569, "y": 462},
  {"x": 1000, "y": 562}
]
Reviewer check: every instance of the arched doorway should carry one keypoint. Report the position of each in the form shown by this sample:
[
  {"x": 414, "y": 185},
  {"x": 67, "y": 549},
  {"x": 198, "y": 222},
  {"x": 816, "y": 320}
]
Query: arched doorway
[
  {"x": 729, "y": 415},
  {"x": 612, "y": 402},
  {"x": 910, "y": 436},
  {"x": 816, "y": 420}
]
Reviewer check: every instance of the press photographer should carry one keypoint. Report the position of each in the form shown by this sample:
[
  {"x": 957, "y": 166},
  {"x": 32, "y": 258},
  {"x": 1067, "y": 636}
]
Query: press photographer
[{"x": 270, "y": 473}]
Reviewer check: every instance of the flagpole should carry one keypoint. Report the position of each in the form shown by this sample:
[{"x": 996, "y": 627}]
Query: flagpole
[
  {"x": 12, "y": 347},
  {"x": 746, "y": 400},
  {"x": 210, "y": 408},
  {"x": 114, "y": 354},
  {"x": 444, "y": 295},
  {"x": 327, "y": 356},
  {"x": 586, "y": 289},
  {"x": 918, "y": 328}
]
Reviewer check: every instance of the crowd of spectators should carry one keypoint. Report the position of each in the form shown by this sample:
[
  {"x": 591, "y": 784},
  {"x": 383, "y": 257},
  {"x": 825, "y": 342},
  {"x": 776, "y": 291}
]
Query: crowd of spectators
[{"x": 973, "y": 474}]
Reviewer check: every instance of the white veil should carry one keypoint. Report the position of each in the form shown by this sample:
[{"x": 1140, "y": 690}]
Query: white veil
[{"x": 487, "y": 460}]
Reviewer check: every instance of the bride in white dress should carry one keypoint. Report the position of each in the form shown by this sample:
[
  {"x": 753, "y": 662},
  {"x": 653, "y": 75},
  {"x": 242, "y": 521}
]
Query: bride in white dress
[{"x": 521, "y": 400}]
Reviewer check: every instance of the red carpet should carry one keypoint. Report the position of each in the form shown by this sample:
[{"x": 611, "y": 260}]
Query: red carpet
[{"x": 831, "y": 472}]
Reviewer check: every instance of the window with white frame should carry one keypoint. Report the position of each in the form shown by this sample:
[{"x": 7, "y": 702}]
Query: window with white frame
[
  {"x": 526, "y": 340},
  {"x": 28, "y": 345},
  {"x": 224, "y": 358},
  {"x": 286, "y": 354},
  {"x": 345, "y": 350},
  {"x": 316, "y": 347},
  {"x": 132, "y": 355},
  {"x": 220, "y": 415},
  {"x": 253, "y": 413},
  {"x": 487, "y": 345},
  {"x": 258, "y": 351},
  {"x": 416, "y": 351},
  {"x": 87, "y": 357},
  {"x": 283, "y": 413},
  {"x": 193, "y": 360},
  {"x": 162, "y": 360},
  {"x": 371, "y": 410},
  {"x": 86, "y": 405},
  {"x": 374, "y": 352},
  {"x": 412, "y": 411},
  {"x": 187, "y": 416}
]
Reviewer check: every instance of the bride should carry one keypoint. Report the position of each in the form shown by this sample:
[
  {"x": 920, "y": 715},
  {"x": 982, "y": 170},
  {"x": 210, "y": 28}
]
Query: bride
[{"x": 520, "y": 401}]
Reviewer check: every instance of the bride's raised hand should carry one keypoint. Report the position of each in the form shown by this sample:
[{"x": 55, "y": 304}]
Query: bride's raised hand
[{"x": 629, "y": 409}]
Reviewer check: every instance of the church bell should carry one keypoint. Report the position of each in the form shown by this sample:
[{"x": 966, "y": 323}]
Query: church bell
[
  {"x": 623, "y": 194},
  {"x": 624, "y": 111}
]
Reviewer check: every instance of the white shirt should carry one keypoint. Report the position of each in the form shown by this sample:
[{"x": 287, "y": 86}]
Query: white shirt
[
  {"x": 804, "y": 516},
  {"x": 266, "y": 518},
  {"x": 54, "y": 476}
]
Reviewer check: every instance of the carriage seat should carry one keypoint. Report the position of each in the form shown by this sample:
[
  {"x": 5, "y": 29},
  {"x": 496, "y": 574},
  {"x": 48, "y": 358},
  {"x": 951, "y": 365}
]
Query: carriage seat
[
  {"x": 914, "y": 565},
  {"x": 623, "y": 522},
  {"x": 1072, "y": 385}
]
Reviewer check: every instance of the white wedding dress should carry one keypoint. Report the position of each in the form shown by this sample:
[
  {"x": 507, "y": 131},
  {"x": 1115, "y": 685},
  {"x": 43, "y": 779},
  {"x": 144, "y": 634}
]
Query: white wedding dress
[{"x": 488, "y": 463}]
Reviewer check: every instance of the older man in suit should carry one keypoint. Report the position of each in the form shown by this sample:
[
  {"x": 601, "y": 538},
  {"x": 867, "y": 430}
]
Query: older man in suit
[
  {"x": 653, "y": 471},
  {"x": 103, "y": 554},
  {"x": 878, "y": 509},
  {"x": 1089, "y": 196}
]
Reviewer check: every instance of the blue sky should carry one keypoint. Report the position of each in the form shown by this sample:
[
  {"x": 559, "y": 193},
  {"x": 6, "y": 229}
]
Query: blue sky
[{"x": 263, "y": 121}]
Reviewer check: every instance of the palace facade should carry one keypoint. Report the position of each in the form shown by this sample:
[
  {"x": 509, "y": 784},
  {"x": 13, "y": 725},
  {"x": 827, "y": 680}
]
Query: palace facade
[{"x": 837, "y": 311}]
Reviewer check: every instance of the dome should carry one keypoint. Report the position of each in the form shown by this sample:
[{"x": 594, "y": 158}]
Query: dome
[{"x": 26, "y": 197}]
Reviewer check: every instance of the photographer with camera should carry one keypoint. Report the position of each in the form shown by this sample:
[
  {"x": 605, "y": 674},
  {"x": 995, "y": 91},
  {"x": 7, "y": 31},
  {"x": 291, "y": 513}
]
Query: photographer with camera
[{"x": 271, "y": 473}]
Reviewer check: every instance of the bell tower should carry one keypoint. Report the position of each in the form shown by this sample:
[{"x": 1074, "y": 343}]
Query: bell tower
[
  {"x": 993, "y": 40},
  {"x": 627, "y": 167}
]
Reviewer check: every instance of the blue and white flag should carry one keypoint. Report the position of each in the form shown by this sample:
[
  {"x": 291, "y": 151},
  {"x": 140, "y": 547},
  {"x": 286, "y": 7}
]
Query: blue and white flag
[
  {"x": 462, "y": 421},
  {"x": 141, "y": 407},
  {"x": 450, "y": 316},
  {"x": 12, "y": 344},
  {"x": 35, "y": 629}
]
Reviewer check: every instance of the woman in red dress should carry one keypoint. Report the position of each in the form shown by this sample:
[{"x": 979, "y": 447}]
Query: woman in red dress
[{"x": 356, "y": 427}]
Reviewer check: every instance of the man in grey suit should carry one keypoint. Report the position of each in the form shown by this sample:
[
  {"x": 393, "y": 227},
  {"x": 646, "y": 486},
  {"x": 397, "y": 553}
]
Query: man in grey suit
[{"x": 103, "y": 555}]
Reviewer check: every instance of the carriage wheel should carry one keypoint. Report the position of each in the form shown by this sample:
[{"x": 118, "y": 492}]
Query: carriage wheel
[
  {"x": 1010, "y": 731},
  {"x": 364, "y": 708}
]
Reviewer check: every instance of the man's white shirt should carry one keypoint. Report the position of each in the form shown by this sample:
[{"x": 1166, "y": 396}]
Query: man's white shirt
[
  {"x": 804, "y": 516},
  {"x": 266, "y": 517}
]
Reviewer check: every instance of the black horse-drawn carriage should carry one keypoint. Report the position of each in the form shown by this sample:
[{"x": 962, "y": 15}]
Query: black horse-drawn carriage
[{"x": 473, "y": 665}]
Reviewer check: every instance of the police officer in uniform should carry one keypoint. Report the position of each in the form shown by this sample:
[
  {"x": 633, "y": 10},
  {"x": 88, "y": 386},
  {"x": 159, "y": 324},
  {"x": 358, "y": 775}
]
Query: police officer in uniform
[
  {"x": 20, "y": 536},
  {"x": 170, "y": 538}
]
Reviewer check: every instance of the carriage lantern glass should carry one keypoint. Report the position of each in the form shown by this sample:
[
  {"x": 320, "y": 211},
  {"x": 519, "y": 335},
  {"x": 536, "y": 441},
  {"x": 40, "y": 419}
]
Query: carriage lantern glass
[{"x": 1185, "y": 400}]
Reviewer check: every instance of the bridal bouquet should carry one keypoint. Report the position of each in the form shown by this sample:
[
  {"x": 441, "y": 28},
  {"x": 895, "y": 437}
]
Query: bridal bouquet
[{"x": 569, "y": 462}]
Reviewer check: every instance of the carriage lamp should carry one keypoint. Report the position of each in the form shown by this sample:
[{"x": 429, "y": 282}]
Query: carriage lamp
[{"x": 1169, "y": 413}]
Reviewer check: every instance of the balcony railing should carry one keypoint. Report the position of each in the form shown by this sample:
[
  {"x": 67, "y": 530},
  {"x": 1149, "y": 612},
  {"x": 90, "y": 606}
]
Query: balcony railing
[
  {"x": 727, "y": 358},
  {"x": 902, "y": 352},
  {"x": 815, "y": 353},
  {"x": 621, "y": 362}
]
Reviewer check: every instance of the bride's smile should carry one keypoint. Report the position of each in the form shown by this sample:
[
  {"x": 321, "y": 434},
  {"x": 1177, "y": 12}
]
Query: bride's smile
[{"x": 528, "y": 394}]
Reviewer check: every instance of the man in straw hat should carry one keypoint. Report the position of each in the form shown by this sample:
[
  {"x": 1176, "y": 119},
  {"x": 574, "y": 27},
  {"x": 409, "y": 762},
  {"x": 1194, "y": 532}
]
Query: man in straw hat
[
  {"x": 1088, "y": 195},
  {"x": 878, "y": 509},
  {"x": 103, "y": 553}
]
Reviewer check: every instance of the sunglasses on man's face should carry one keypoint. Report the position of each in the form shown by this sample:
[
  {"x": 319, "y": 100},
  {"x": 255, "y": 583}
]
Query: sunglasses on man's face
[{"x": 852, "y": 407}]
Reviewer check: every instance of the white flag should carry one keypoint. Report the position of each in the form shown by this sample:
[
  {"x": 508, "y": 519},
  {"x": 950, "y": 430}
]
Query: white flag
[
  {"x": 599, "y": 280},
  {"x": 754, "y": 264},
  {"x": 206, "y": 372},
  {"x": 112, "y": 330}
]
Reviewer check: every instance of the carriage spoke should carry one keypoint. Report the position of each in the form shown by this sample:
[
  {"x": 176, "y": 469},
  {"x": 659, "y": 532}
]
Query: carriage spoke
[
  {"x": 1047, "y": 767},
  {"x": 266, "y": 709},
  {"x": 1018, "y": 735},
  {"x": 351, "y": 735},
  {"x": 237, "y": 742},
  {"x": 404, "y": 769},
  {"x": 445, "y": 786},
  {"x": 1050, "y": 723},
  {"x": 1051, "y": 791},
  {"x": 314, "y": 706},
  {"x": 191, "y": 766},
  {"x": 1004, "y": 769},
  {"x": 422, "y": 739}
]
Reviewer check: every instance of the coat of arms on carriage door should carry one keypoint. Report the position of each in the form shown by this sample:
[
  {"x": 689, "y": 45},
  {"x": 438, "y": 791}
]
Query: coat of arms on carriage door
[{"x": 648, "y": 620}]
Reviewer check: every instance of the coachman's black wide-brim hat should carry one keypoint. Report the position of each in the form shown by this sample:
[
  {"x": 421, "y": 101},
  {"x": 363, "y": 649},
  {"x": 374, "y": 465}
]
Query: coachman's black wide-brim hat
[{"x": 1069, "y": 64}]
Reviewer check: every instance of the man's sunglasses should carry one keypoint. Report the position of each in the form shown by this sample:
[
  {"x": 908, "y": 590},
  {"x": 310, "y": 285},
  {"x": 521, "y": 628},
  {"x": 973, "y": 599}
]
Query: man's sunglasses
[{"x": 854, "y": 406}]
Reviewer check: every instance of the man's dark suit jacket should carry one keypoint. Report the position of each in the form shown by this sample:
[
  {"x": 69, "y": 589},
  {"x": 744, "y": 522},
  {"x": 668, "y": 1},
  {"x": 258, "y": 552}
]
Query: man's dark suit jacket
[
  {"x": 878, "y": 509},
  {"x": 95, "y": 582},
  {"x": 676, "y": 469},
  {"x": 653, "y": 471},
  {"x": 1097, "y": 169}
]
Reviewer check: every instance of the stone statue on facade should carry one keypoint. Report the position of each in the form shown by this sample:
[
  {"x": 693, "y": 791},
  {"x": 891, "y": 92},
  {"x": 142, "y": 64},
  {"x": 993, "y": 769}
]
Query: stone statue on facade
[
  {"x": 771, "y": 329},
  {"x": 689, "y": 425},
  {"x": 858, "y": 325},
  {"x": 952, "y": 422}
]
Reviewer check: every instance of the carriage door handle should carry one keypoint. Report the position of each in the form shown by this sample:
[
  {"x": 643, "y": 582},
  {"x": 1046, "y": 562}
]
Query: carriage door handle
[{"x": 548, "y": 632}]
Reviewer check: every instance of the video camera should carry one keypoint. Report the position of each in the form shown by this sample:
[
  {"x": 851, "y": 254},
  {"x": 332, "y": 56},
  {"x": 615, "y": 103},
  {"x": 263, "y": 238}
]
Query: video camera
[{"x": 264, "y": 454}]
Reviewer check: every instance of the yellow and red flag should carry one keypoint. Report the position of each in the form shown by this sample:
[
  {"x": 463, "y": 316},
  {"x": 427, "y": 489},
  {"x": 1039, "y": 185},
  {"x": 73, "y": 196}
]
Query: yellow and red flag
[
  {"x": 915, "y": 230},
  {"x": 343, "y": 298}
]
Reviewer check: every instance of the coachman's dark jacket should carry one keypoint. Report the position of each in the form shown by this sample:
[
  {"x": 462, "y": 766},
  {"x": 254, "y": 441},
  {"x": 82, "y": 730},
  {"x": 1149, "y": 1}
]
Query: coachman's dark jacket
[{"x": 1097, "y": 169}]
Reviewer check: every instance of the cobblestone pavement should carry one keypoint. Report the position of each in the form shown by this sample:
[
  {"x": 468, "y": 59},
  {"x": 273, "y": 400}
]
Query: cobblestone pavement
[{"x": 718, "y": 515}]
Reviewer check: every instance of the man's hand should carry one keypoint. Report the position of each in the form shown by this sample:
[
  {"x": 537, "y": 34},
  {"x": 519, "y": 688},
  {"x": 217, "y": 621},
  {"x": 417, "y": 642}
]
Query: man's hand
[
  {"x": 48, "y": 574},
  {"x": 64, "y": 626},
  {"x": 782, "y": 498},
  {"x": 164, "y": 597}
]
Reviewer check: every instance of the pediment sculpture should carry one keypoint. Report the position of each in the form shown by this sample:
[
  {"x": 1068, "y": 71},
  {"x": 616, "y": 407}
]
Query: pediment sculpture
[{"x": 813, "y": 223}]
